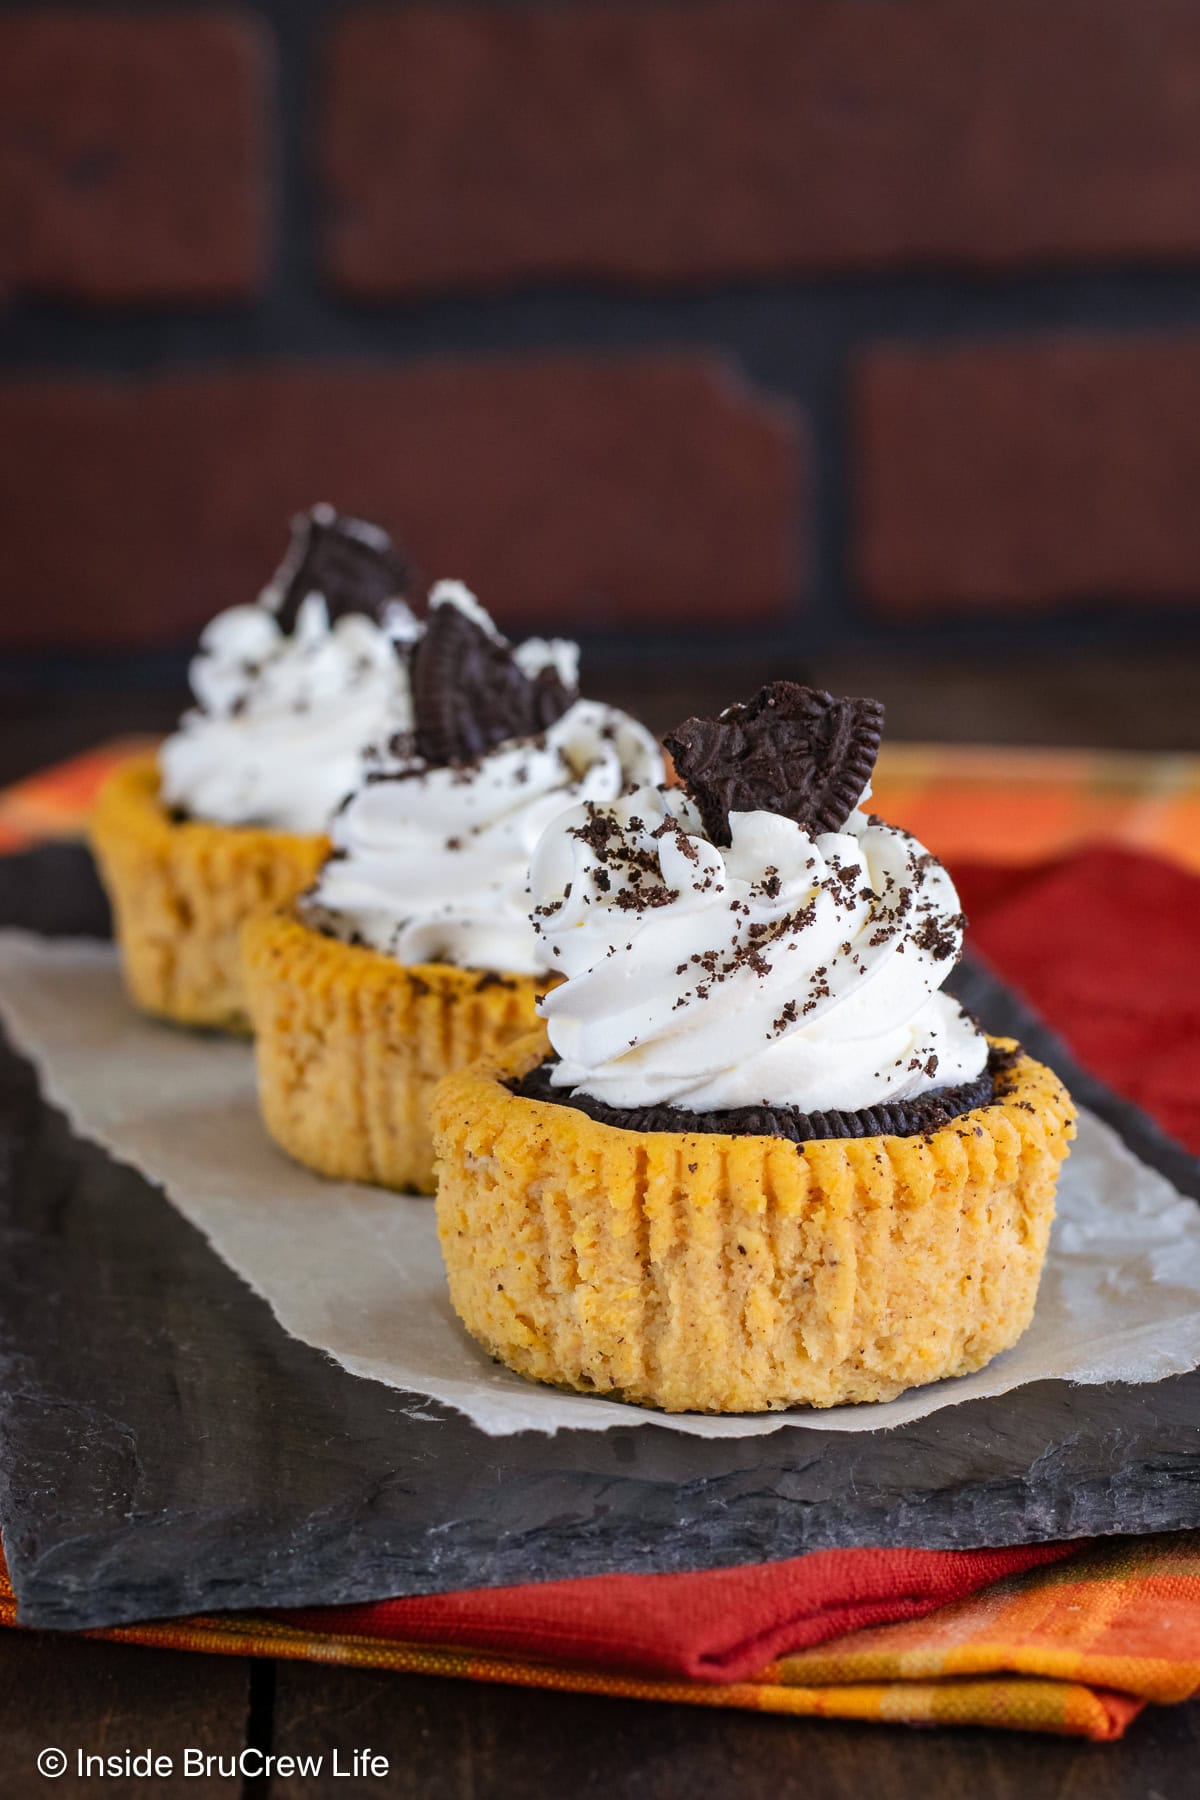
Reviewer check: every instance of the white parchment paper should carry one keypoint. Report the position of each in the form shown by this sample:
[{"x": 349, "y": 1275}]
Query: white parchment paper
[{"x": 356, "y": 1271}]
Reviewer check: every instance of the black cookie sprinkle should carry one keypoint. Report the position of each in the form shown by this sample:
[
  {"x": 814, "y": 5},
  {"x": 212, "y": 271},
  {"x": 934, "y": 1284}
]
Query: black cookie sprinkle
[{"x": 792, "y": 750}]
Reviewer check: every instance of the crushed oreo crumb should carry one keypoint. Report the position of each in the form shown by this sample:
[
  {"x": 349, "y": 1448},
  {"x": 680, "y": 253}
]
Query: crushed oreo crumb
[
  {"x": 490, "y": 978},
  {"x": 940, "y": 937}
]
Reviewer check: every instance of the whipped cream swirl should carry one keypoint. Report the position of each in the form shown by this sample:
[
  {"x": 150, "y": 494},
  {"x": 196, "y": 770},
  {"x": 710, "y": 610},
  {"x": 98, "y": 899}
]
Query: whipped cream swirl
[
  {"x": 788, "y": 969},
  {"x": 292, "y": 690},
  {"x": 284, "y": 717},
  {"x": 431, "y": 863}
]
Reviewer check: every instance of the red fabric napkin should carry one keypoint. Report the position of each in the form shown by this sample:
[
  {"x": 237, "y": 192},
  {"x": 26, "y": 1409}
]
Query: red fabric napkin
[
  {"x": 723, "y": 1625},
  {"x": 1107, "y": 945}
]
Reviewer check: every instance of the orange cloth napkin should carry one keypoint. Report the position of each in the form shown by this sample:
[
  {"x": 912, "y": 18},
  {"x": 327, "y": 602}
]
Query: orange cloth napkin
[
  {"x": 56, "y": 802},
  {"x": 1077, "y": 1649}
]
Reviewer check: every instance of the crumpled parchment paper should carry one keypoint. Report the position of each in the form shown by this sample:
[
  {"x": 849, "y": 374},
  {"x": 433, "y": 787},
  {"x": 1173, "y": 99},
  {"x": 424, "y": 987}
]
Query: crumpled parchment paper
[{"x": 356, "y": 1271}]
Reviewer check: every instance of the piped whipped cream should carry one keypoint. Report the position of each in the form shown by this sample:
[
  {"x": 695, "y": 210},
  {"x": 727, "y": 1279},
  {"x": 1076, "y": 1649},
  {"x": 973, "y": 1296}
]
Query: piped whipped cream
[
  {"x": 787, "y": 969},
  {"x": 288, "y": 697},
  {"x": 431, "y": 860}
]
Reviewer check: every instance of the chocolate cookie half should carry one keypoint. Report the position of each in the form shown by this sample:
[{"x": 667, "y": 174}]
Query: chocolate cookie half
[
  {"x": 791, "y": 750},
  {"x": 895, "y": 1118},
  {"x": 471, "y": 694},
  {"x": 352, "y": 564}
]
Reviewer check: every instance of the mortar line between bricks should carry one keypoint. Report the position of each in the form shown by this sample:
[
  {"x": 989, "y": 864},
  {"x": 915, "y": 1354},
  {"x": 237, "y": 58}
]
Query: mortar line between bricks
[
  {"x": 44, "y": 334},
  {"x": 802, "y": 641},
  {"x": 795, "y": 336}
]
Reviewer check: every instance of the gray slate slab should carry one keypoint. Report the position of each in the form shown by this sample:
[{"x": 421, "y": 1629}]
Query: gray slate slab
[{"x": 166, "y": 1448}]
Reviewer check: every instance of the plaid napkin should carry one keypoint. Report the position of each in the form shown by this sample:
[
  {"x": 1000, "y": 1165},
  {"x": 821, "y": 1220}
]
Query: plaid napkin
[
  {"x": 1064, "y": 1638},
  {"x": 1076, "y": 1649},
  {"x": 56, "y": 802}
]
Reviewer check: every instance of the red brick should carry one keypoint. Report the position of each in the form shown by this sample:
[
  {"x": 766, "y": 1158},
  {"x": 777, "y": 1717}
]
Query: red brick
[
  {"x": 671, "y": 142},
  {"x": 1031, "y": 472},
  {"x": 583, "y": 492},
  {"x": 132, "y": 155}
]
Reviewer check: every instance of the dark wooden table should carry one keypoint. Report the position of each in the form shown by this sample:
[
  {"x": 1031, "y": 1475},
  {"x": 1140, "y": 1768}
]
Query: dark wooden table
[{"x": 479, "y": 1742}]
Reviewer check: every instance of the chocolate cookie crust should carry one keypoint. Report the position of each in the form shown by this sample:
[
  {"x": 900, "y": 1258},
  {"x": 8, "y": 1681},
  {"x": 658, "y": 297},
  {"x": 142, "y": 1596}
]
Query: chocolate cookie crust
[{"x": 895, "y": 1118}]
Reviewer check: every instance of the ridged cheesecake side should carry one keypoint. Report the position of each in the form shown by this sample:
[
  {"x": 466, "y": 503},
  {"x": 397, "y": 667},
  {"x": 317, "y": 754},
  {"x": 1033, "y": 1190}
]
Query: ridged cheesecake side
[
  {"x": 743, "y": 1274},
  {"x": 181, "y": 892},
  {"x": 352, "y": 1044}
]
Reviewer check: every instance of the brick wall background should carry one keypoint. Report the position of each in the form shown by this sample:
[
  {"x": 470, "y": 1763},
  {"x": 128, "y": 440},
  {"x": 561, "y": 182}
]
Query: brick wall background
[{"x": 806, "y": 322}]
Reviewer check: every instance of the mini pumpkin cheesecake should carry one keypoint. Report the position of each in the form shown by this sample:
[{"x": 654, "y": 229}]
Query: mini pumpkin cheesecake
[
  {"x": 232, "y": 814},
  {"x": 755, "y": 1158},
  {"x": 413, "y": 954}
]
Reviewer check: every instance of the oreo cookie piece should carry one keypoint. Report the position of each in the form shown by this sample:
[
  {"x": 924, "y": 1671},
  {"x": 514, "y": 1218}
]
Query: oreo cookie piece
[
  {"x": 353, "y": 565},
  {"x": 469, "y": 693},
  {"x": 894, "y": 1118},
  {"x": 792, "y": 750}
]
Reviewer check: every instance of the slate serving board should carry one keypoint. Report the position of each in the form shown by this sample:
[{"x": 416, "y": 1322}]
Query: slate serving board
[{"x": 166, "y": 1448}]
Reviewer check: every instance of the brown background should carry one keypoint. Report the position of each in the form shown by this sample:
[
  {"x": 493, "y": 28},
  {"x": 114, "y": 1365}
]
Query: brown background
[{"x": 804, "y": 326}]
